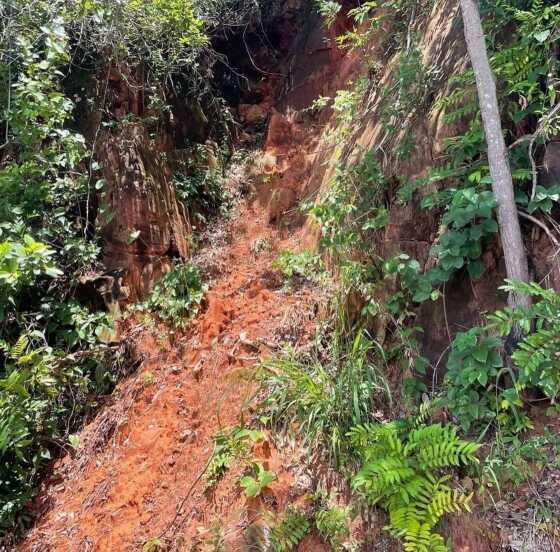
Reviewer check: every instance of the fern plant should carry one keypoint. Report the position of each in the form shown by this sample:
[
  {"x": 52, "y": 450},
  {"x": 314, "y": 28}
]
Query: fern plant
[
  {"x": 278, "y": 532},
  {"x": 289, "y": 531},
  {"x": 536, "y": 356},
  {"x": 404, "y": 470},
  {"x": 333, "y": 525}
]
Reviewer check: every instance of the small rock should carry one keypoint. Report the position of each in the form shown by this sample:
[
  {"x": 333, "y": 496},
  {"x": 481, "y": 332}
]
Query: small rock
[
  {"x": 303, "y": 483},
  {"x": 244, "y": 340},
  {"x": 188, "y": 436},
  {"x": 197, "y": 371}
]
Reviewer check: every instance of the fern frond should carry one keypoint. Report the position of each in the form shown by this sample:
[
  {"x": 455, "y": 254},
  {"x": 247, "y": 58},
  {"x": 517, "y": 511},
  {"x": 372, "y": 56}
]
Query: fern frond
[
  {"x": 18, "y": 350},
  {"x": 403, "y": 472},
  {"x": 438, "y": 447},
  {"x": 532, "y": 289},
  {"x": 446, "y": 501},
  {"x": 437, "y": 544},
  {"x": 289, "y": 532},
  {"x": 418, "y": 489},
  {"x": 377, "y": 479},
  {"x": 424, "y": 412}
]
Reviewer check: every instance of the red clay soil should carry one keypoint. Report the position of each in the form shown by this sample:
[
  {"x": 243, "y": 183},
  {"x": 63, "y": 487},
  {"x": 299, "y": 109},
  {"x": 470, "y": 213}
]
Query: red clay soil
[{"x": 130, "y": 478}]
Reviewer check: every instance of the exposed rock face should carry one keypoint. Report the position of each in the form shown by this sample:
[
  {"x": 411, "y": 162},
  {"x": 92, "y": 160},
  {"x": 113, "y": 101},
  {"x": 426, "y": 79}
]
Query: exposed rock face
[
  {"x": 144, "y": 225},
  {"x": 550, "y": 173},
  {"x": 283, "y": 168},
  {"x": 253, "y": 115}
]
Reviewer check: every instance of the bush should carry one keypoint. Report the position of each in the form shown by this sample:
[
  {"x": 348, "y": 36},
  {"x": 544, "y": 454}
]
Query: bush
[
  {"x": 43, "y": 392},
  {"x": 481, "y": 386},
  {"x": 199, "y": 185},
  {"x": 404, "y": 469},
  {"x": 302, "y": 264},
  {"x": 333, "y": 525},
  {"x": 229, "y": 445},
  {"x": 177, "y": 297},
  {"x": 325, "y": 397}
]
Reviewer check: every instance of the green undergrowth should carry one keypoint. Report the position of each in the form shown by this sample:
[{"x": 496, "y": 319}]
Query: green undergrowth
[
  {"x": 405, "y": 468},
  {"x": 177, "y": 298},
  {"x": 57, "y": 62},
  {"x": 198, "y": 183},
  {"x": 231, "y": 445},
  {"x": 350, "y": 396},
  {"x": 303, "y": 265},
  {"x": 483, "y": 385},
  {"x": 233, "y": 448},
  {"x": 56, "y": 355},
  {"x": 327, "y": 391}
]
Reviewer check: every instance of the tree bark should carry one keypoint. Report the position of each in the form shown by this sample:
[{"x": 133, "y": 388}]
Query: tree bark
[{"x": 502, "y": 183}]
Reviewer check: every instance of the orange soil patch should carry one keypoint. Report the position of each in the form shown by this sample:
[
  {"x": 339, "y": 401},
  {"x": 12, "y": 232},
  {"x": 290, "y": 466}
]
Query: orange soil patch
[{"x": 132, "y": 487}]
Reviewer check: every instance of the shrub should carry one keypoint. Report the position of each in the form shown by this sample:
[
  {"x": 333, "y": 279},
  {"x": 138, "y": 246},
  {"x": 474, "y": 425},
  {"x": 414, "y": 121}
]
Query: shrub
[
  {"x": 332, "y": 524},
  {"x": 258, "y": 479},
  {"x": 42, "y": 393},
  {"x": 303, "y": 264},
  {"x": 404, "y": 469},
  {"x": 177, "y": 297},
  {"x": 481, "y": 386},
  {"x": 21, "y": 265},
  {"x": 199, "y": 186},
  {"x": 229, "y": 445},
  {"x": 536, "y": 355},
  {"x": 325, "y": 398}
]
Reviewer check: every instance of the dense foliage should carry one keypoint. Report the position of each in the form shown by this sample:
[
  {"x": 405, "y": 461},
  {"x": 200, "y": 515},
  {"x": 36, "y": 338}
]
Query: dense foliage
[
  {"x": 57, "y": 355},
  {"x": 495, "y": 369},
  {"x": 403, "y": 469},
  {"x": 45, "y": 247},
  {"x": 56, "y": 58}
]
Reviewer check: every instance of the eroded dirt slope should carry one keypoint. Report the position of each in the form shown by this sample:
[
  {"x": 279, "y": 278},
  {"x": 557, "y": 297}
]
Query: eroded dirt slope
[{"x": 130, "y": 479}]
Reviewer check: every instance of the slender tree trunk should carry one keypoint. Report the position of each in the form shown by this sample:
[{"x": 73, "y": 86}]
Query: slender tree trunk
[{"x": 502, "y": 182}]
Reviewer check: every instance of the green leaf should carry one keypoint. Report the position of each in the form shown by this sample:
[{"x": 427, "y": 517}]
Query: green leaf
[
  {"x": 133, "y": 236},
  {"x": 53, "y": 272},
  {"x": 476, "y": 269},
  {"x": 480, "y": 354},
  {"x": 254, "y": 485},
  {"x": 542, "y": 35}
]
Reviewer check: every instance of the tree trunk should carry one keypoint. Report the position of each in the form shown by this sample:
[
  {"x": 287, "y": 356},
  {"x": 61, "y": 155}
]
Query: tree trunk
[{"x": 502, "y": 183}]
